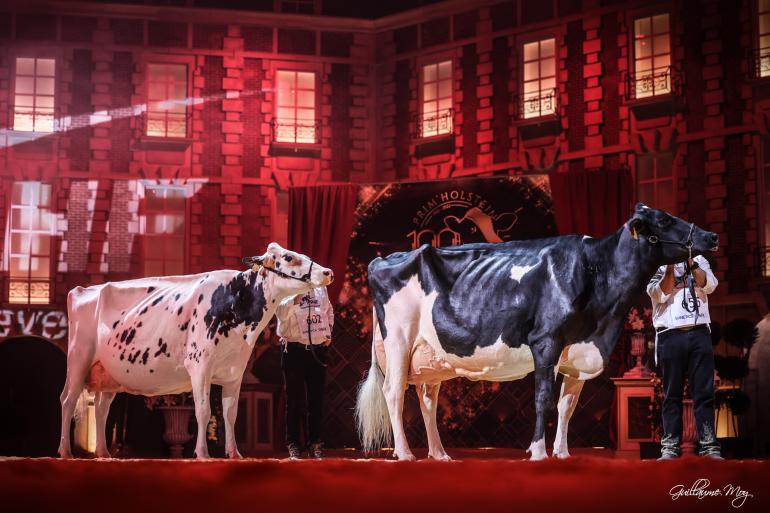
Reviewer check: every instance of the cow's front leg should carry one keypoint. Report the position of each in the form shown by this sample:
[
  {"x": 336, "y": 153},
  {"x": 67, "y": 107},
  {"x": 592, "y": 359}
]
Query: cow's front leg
[
  {"x": 570, "y": 392},
  {"x": 429, "y": 405},
  {"x": 545, "y": 357},
  {"x": 393, "y": 388},
  {"x": 201, "y": 389},
  {"x": 230, "y": 393}
]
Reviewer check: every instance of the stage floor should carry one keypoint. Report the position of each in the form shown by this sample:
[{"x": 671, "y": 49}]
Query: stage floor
[{"x": 478, "y": 480}]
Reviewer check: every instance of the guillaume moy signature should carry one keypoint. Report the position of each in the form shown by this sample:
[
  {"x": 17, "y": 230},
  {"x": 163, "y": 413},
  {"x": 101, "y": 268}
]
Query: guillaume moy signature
[{"x": 700, "y": 489}]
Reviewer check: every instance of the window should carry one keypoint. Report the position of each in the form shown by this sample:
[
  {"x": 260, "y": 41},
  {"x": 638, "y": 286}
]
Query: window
[
  {"x": 436, "y": 107},
  {"x": 298, "y": 6},
  {"x": 295, "y": 108},
  {"x": 31, "y": 225},
  {"x": 763, "y": 49},
  {"x": 163, "y": 227},
  {"x": 34, "y": 95},
  {"x": 539, "y": 98},
  {"x": 652, "y": 56},
  {"x": 167, "y": 100},
  {"x": 655, "y": 181}
]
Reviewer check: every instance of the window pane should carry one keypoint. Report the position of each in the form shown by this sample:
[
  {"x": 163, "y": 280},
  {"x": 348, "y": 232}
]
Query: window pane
[
  {"x": 429, "y": 107},
  {"x": 174, "y": 268},
  {"x": 179, "y": 91},
  {"x": 764, "y": 5},
  {"x": 547, "y": 47},
  {"x": 642, "y": 27},
  {"x": 531, "y": 87},
  {"x": 445, "y": 69},
  {"x": 24, "y": 101},
  {"x": 40, "y": 267},
  {"x": 661, "y": 44},
  {"x": 666, "y": 196},
  {"x": 644, "y": 167},
  {"x": 153, "y": 268},
  {"x": 44, "y": 122},
  {"x": 156, "y": 91},
  {"x": 646, "y": 194},
  {"x": 547, "y": 85},
  {"x": 284, "y": 114},
  {"x": 445, "y": 88},
  {"x": 642, "y": 48},
  {"x": 306, "y": 99},
  {"x": 285, "y": 79},
  {"x": 530, "y": 51},
  {"x": 25, "y": 66},
  {"x": 22, "y": 122},
  {"x": 430, "y": 72},
  {"x": 41, "y": 244},
  {"x": 444, "y": 104},
  {"x": 764, "y": 42},
  {"x": 429, "y": 91},
  {"x": 531, "y": 70},
  {"x": 305, "y": 115},
  {"x": 45, "y": 102},
  {"x": 44, "y": 86},
  {"x": 660, "y": 24},
  {"x": 46, "y": 67},
  {"x": 548, "y": 67},
  {"x": 662, "y": 62},
  {"x": 156, "y": 125},
  {"x": 286, "y": 97},
  {"x": 25, "y": 85},
  {"x": 306, "y": 80},
  {"x": 174, "y": 249},
  {"x": 764, "y": 24},
  {"x": 643, "y": 65},
  {"x": 19, "y": 266},
  {"x": 178, "y": 72},
  {"x": 664, "y": 165},
  {"x": 20, "y": 243}
]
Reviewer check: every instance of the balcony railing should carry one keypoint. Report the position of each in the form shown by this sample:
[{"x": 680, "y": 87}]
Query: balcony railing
[
  {"x": 651, "y": 83},
  {"x": 296, "y": 131},
  {"x": 760, "y": 63},
  {"x": 538, "y": 104},
  {"x": 432, "y": 124},
  {"x": 763, "y": 261}
]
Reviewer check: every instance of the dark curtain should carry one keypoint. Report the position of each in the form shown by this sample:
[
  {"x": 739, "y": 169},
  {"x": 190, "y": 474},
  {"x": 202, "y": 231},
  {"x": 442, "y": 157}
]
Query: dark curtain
[
  {"x": 592, "y": 202},
  {"x": 321, "y": 224}
]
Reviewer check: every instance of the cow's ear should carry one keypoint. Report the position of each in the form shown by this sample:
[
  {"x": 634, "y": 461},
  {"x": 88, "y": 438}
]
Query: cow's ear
[
  {"x": 267, "y": 260},
  {"x": 636, "y": 226}
]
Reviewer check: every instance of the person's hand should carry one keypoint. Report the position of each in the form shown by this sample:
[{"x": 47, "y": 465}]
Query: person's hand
[{"x": 327, "y": 342}]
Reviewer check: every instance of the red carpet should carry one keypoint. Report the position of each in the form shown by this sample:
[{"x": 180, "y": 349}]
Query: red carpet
[{"x": 339, "y": 485}]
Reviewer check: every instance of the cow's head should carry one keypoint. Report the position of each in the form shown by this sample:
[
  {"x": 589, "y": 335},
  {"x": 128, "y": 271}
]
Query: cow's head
[
  {"x": 293, "y": 272},
  {"x": 669, "y": 237}
]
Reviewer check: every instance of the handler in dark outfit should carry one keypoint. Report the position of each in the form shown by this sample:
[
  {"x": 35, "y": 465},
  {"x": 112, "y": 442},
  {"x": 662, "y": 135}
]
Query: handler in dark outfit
[
  {"x": 684, "y": 349},
  {"x": 304, "y": 372}
]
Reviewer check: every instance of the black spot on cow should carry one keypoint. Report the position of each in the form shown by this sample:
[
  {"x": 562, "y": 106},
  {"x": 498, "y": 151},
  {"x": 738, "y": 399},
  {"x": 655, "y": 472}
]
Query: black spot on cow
[
  {"x": 123, "y": 335},
  {"x": 244, "y": 337},
  {"x": 192, "y": 328},
  {"x": 216, "y": 340},
  {"x": 183, "y": 327},
  {"x": 176, "y": 298},
  {"x": 157, "y": 300},
  {"x": 132, "y": 357},
  {"x": 122, "y": 355},
  {"x": 240, "y": 301},
  {"x": 145, "y": 355},
  {"x": 200, "y": 298},
  {"x": 161, "y": 350},
  {"x": 195, "y": 312},
  {"x": 160, "y": 342},
  {"x": 139, "y": 325},
  {"x": 151, "y": 371},
  {"x": 150, "y": 289},
  {"x": 144, "y": 311},
  {"x": 115, "y": 324},
  {"x": 131, "y": 335},
  {"x": 293, "y": 273},
  {"x": 179, "y": 312}
]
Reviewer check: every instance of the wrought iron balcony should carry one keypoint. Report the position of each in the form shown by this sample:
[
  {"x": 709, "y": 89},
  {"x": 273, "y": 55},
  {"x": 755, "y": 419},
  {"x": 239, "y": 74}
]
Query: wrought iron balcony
[
  {"x": 433, "y": 124},
  {"x": 290, "y": 131},
  {"x": 760, "y": 63},
  {"x": 655, "y": 82},
  {"x": 763, "y": 261},
  {"x": 538, "y": 104}
]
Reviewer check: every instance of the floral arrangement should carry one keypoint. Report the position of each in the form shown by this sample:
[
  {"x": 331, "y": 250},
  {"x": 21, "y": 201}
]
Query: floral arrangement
[
  {"x": 656, "y": 407},
  {"x": 158, "y": 401},
  {"x": 638, "y": 322}
]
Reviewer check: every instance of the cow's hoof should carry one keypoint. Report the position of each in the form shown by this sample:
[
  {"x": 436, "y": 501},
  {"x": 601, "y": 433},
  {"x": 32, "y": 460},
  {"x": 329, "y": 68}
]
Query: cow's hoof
[
  {"x": 562, "y": 455},
  {"x": 406, "y": 457},
  {"x": 538, "y": 457},
  {"x": 65, "y": 455},
  {"x": 443, "y": 457},
  {"x": 234, "y": 455},
  {"x": 103, "y": 454}
]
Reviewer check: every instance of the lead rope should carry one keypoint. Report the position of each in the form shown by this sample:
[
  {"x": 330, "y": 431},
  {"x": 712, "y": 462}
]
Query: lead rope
[{"x": 310, "y": 338}]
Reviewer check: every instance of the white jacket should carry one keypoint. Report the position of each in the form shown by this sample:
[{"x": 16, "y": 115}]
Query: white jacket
[
  {"x": 293, "y": 312},
  {"x": 676, "y": 310}
]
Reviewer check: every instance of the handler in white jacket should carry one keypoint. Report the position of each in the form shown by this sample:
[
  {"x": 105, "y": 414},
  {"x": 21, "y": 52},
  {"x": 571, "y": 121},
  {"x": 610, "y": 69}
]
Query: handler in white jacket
[
  {"x": 305, "y": 327},
  {"x": 684, "y": 349}
]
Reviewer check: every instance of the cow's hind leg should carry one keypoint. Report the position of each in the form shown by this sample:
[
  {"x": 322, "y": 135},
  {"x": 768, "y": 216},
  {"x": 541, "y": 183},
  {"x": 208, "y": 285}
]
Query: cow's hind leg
[
  {"x": 428, "y": 394},
  {"x": 394, "y": 387},
  {"x": 570, "y": 392},
  {"x": 201, "y": 390},
  {"x": 545, "y": 357},
  {"x": 230, "y": 393},
  {"x": 102, "y": 402}
]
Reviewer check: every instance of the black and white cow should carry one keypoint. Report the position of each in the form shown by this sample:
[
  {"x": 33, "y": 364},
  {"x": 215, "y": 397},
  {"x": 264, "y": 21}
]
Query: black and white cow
[
  {"x": 156, "y": 336},
  {"x": 500, "y": 311}
]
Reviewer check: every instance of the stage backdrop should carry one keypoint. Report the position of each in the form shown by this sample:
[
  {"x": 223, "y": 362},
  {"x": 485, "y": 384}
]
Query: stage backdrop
[{"x": 402, "y": 216}]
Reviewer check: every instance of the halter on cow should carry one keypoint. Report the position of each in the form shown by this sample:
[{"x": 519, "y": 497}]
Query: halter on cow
[
  {"x": 166, "y": 335},
  {"x": 500, "y": 311}
]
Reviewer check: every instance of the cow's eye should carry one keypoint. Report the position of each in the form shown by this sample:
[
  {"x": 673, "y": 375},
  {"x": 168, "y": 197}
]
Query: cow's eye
[
  {"x": 288, "y": 258},
  {"x": 665, "y": 222}
]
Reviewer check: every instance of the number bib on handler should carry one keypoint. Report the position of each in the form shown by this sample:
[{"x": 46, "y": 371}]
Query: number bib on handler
[{"x": 318, "y": 325}]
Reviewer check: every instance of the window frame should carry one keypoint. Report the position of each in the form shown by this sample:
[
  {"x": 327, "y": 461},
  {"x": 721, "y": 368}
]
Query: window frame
[
  {"x": 41, "y": 52},
  {"x": 146, "y": 61},
  {"x": 538, "y": 37},
  {"x": 655, "y": 180},
  {"x": 435, "y": 59},
  {"x": 756, "y": 35},
  {"x": 306, "y": 67},
  {"x": 147, "y": 237},
  {"x": 53, "y": 251},
  {"x": 632, "y": 16}
]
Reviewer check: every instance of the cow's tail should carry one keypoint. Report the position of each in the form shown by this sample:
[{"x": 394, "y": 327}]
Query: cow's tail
[{"x": 372, "y": 418}]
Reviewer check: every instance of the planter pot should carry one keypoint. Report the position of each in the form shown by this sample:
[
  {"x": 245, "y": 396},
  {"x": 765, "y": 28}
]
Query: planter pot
[{"x": 177, "y": 421}]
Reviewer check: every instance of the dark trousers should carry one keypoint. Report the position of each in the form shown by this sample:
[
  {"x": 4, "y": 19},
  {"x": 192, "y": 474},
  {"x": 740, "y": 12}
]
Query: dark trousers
[
  {"x": 687, "y": 354},
  {"x": 304, "y": 378}
]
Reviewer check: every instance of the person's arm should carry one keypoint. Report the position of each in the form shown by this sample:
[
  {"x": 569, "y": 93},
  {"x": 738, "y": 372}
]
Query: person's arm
[
  {"x": 328, "y": 310},
  {"x": 704, "y": 276},
  {"x": 662, "y": 284}
]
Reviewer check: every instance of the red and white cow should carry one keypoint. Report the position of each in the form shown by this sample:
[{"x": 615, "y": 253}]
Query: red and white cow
[{"x": 156, "y": 336}]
